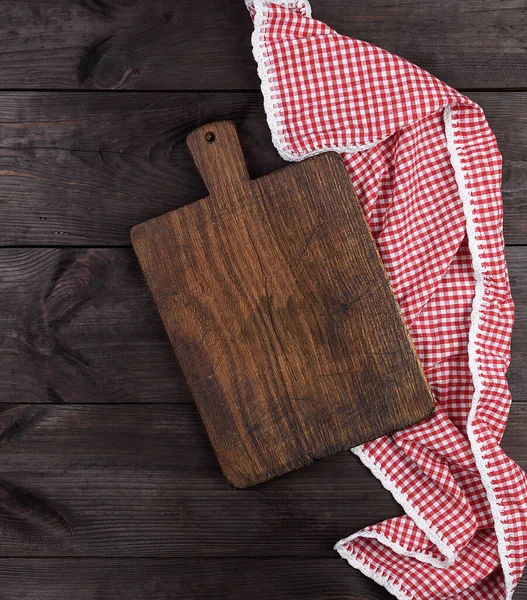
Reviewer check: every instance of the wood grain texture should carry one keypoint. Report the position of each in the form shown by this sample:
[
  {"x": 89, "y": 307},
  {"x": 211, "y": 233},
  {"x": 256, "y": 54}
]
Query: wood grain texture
[
  {"x": 106, "y": 342},
  {"x": 517, "y": 374},
  {"x": 139, "y": 481},
  {"x": 80, "y": 326},
  {"x": 279, "y": 310},
  {"x": 82, "y": 168},
  {"x": 144, "y": 481},
  {"x": 188, "y": 579},
  {"x": 188, "y": 45}
]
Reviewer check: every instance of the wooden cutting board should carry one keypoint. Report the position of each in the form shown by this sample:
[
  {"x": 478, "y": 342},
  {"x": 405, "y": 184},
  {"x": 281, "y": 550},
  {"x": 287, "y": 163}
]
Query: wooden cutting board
[{"x": 280, "y": 313}]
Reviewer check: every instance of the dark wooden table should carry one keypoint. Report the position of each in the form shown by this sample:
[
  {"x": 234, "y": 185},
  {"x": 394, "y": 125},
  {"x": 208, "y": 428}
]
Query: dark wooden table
[{"x": 109, "y": 488}]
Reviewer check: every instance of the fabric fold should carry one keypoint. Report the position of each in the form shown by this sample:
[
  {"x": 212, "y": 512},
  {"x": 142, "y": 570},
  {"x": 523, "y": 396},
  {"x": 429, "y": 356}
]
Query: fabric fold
[{"x": 427, "y": 171}]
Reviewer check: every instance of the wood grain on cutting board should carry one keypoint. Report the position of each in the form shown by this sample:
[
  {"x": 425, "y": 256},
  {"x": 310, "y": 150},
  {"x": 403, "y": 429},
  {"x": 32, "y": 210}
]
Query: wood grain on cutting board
[{"x": 282, "y": 318}]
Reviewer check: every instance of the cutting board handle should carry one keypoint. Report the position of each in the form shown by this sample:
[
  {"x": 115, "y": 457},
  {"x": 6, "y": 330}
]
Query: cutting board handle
[{"x": 218, "y": 155}]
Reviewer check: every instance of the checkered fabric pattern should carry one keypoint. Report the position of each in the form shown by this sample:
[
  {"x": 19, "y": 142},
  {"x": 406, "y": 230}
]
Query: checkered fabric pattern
[{"x": 426, "y": 168}]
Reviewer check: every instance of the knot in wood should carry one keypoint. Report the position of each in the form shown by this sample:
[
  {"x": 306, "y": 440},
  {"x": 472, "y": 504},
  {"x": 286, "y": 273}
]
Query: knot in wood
[
  {"x": 111, "y": 70},
  {"x": 43, "y": 343}
]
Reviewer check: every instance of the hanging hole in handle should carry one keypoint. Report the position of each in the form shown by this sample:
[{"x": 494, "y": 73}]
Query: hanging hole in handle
[{"x": 210, "y": 137}]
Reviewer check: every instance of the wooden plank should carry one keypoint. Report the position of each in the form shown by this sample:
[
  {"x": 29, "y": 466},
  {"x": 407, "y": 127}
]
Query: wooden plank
[
  {"x": 82, "y": 169},
  {"x": 188, "y": 579},
  {"x": 143, "y": 481},
  {"x": 79, "y": 168},
  {"x": 185, "y": 45},
  {"x": 517, "y": 374},
  {"x": 79, "y": 325}
]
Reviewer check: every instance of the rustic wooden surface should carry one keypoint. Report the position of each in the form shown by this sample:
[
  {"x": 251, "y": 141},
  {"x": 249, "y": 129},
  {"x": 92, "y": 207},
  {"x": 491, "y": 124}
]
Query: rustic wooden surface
[
  {"x": 142, "y": 480},
  {"x": 109, "y": 487},
  {"x": 184, "y": 44},
  {"x": 259, "y": 285},
  {"x": 105, "y": 341},
  {"x": 199, "y": 579},
  {"x": 82, "y": 161}
]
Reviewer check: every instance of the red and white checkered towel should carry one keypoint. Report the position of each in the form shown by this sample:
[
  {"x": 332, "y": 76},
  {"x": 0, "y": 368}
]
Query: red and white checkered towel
[{"x": 425, "y": 166}]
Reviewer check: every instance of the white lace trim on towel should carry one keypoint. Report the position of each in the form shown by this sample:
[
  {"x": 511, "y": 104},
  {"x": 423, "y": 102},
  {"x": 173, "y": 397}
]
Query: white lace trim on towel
[{"x": 475, "y": 323}]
